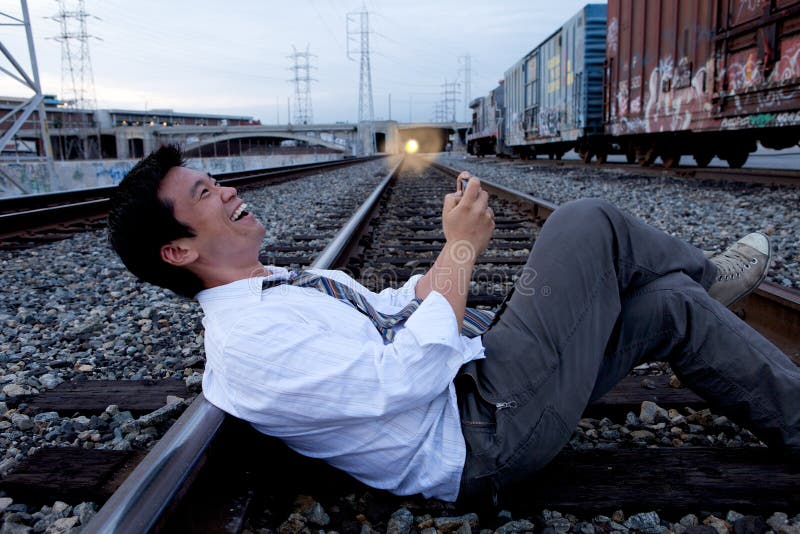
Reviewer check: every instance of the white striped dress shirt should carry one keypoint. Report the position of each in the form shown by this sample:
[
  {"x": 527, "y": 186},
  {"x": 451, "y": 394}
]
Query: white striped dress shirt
[{"x": 313, "y": 371}]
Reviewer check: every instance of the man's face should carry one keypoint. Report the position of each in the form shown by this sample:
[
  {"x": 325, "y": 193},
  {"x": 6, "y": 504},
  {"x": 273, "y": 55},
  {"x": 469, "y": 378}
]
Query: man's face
[{"x": 223, "y": 236}]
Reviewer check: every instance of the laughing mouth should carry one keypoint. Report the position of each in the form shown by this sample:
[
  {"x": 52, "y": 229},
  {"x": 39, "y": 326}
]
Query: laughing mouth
[{"x": 239, "y": 212}]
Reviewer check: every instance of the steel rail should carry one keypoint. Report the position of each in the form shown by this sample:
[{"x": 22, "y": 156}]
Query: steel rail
[
  {"x": 164, "y": 474},
  {"x": 771, "y": 309},
  {"x": 789, "y": 177}
]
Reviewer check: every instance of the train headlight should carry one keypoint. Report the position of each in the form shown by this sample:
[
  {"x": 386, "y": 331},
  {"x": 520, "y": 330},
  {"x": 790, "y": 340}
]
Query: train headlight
[{"x": 412, "y": 146}]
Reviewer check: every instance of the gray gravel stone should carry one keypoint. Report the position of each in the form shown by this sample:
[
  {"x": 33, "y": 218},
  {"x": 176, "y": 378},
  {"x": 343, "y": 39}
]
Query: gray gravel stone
[
  {"x": 778, "y": 520},
  {"x": 645, "y": 522},
  {"x": 11, "y": 527},
  {"x": 400, "y": 522},
  {"x": 85, "y": 511},
  {"x": 21, "y": 421},
  {"x": 317, "y": 516},
  {"x": 516, "y": 527},
  {"x": 62, "y": 526},
  {"x": 448, "y": 524},
  {"x": 162, "y": 415}
]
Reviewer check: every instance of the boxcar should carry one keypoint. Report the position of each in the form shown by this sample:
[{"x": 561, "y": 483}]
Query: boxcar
[
  {"x": 554, "y": 94},
  {"x": 487, "y": 120},
  {"x": 707, "y": 78}
]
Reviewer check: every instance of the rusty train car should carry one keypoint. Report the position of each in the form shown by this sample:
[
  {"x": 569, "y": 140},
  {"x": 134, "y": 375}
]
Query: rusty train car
[{"x": 700, "y": 78}]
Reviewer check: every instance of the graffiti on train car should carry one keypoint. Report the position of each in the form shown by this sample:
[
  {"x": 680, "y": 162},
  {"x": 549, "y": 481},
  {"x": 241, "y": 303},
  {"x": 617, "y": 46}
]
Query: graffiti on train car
[
  {"x": 748, "y": 10},
  {"x": 745, "y": 70},
  {"x": 788, "y": 66},
  {"x": 762, "y": 120},
  {"x": 612, "y": 36},
  {"x": 672, "y": 96},
  {"x": 548, "y": 122}
]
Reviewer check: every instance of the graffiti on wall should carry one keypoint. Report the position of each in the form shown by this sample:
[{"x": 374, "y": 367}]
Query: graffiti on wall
[{"x": 110, "y": 174}]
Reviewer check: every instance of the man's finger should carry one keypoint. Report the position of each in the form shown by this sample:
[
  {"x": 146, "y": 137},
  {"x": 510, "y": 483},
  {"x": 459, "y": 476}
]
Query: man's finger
[
  {"x": 481, "y": 201},
  {"x": 473, "y": 187},
  {"x": 451, "y": 201}
]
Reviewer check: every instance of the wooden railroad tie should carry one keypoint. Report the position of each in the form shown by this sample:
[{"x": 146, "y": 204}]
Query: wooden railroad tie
[
  {"x": 94, "y": 396},
  {"x": 70, "y": 473}
]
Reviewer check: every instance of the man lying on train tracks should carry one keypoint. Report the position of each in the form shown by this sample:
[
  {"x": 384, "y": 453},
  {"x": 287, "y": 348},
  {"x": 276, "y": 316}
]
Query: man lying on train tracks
[{"x": 414, "y": 399}]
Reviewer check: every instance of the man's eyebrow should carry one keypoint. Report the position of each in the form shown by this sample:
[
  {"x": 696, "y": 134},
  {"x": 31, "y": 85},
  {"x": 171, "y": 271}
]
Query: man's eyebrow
[{"x": 198, "y": 183}]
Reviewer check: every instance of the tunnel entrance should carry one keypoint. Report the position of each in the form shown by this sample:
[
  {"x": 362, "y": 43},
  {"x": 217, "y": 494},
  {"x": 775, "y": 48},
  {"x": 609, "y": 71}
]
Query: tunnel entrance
[{"x": 429, "y": 139}]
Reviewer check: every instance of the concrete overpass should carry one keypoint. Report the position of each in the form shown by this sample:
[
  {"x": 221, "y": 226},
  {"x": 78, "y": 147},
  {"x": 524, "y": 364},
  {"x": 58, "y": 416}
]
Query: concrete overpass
[{"x": 123, "y": 142}]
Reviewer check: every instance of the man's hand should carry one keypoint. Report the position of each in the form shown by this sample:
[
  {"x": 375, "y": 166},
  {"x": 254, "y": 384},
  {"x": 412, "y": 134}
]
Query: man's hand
[
  {"x": 468, "y": 222},
  {"x": 467, "y": 219}
]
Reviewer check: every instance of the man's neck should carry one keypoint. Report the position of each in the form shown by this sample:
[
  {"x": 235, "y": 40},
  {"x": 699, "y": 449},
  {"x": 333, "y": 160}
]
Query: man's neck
[{"x": 220, "y": 277}]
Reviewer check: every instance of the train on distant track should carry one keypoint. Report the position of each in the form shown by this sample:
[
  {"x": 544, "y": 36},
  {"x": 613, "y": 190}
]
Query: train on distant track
[{"x": 656, "y": 79}]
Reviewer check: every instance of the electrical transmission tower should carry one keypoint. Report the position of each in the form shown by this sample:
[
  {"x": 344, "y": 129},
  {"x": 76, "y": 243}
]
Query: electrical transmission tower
[
  {"x": 466, "y": 69},
  {"x": 450, "y": 92},
  {"x": 14, "y": 120},
  {"x": 302, "y": 86},
  {"x": 439, "y": 114},
  {"x": 77, "y": 80},
  {"x": 358, "y": 31}
]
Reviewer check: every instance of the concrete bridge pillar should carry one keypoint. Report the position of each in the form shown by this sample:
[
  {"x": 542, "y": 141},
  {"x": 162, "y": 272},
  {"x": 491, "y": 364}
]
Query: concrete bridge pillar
[
  {"x": 122, "y": 145},
  {"x": 150, "y": 142}
]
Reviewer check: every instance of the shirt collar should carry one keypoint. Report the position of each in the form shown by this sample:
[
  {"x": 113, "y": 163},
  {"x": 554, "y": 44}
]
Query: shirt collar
[{"x": 245, "y": 291}]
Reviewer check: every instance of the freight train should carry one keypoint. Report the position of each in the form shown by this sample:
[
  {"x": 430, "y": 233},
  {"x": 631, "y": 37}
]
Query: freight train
[{"x": 656, "y": 79}]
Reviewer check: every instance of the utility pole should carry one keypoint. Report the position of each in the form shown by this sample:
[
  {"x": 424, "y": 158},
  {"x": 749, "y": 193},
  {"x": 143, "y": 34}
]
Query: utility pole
[
  {"x": 77, "y": 88},
  {"x": 16, "y": 118},
  {"x": 358, "y": 31},
  {"x": 390, "y": 106},
  {"x": 302, "y": 86},
  {"x": 466, "y": 69}
]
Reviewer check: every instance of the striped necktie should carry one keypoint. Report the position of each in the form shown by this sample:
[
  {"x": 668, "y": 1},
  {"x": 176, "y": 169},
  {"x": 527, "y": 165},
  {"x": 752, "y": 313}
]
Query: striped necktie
[{"x": 475, "y": 323}]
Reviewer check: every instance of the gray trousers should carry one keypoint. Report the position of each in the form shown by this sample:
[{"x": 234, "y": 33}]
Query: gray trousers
[{"x": 603, "y": 292}]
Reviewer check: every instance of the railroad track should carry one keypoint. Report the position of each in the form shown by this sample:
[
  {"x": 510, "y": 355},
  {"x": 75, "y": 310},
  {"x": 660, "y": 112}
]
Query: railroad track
[
  {"x": 209, "y": 471},
  {"x": 30, "y": 220},
  {"x": 748, "y": 175}
]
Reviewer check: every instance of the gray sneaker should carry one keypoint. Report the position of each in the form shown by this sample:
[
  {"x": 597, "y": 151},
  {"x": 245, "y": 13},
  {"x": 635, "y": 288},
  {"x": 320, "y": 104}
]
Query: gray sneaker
[{"x": 741, "y": 268}]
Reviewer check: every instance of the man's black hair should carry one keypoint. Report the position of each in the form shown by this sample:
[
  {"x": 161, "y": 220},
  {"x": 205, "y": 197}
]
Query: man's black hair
[{"x": 139, "y": 223}]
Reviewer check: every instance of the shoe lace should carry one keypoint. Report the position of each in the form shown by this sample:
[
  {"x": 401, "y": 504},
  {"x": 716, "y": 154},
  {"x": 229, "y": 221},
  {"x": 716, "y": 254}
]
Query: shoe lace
[{"x": 731, "y": 265}]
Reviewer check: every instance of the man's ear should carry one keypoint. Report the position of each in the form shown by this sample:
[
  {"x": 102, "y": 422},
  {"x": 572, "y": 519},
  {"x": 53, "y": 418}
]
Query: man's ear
[{"x": 177, "y": 253}]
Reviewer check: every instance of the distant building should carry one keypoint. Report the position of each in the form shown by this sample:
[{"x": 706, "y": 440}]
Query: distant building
[{"x": 96, "y": 134}]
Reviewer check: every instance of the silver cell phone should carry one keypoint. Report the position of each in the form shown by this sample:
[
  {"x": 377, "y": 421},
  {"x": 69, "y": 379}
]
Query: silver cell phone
[{"x": 464, "y": 182}]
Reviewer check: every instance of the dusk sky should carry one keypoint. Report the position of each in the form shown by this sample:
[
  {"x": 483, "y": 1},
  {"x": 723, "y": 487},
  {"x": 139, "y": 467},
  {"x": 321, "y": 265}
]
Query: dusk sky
[{"x": 232, "y": 57}]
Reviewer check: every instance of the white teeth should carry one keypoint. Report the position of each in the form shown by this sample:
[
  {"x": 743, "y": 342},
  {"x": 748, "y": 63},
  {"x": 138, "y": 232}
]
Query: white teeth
[{"x": 238, "y": 212}]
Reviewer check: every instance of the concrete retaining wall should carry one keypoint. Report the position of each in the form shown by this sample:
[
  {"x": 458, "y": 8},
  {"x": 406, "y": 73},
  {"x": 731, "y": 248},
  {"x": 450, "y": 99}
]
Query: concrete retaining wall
[{"x": 23, "y": 178}]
